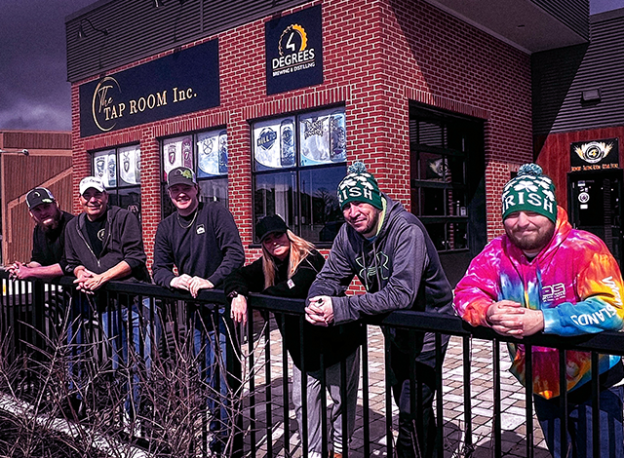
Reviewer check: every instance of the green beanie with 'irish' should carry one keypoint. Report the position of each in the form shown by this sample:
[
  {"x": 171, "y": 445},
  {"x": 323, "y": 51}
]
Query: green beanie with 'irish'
[
  {"x": 359, "y": 186},
  {"x": 530, "y": 191}
]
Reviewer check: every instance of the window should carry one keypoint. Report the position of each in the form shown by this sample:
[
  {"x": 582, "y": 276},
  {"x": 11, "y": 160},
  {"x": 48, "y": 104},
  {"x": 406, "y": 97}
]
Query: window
[
  {"x": 207, "y": 154},
  {"x": 120, "y": 170},
  {"x": 442, "y": 150},
  {"x": 298, "y": 162}
]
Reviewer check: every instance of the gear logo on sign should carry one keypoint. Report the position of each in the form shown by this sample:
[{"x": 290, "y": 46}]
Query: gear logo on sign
[
  {"x": 289, "y": 38},
  {"x": 593, "y": 152}
]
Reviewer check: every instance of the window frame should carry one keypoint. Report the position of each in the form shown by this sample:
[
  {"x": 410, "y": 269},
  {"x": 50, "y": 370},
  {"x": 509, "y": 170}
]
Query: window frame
[
  {"x": 166, "y": 207},
  {"x": 119, "y": 189},
  {"x": 297, "y": 170},
  {"x": 454, "y": 215}
]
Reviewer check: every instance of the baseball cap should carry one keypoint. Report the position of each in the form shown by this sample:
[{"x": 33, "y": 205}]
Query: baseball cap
[
  {"x": 39, "y": 196},
  {"x": 91, "y": 182},
  {"x": 181, "y": 175},
  {"x": 269, "y": 225}
]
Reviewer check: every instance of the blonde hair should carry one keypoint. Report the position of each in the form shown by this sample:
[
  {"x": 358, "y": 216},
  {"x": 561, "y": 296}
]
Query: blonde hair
[{"x": 299, "y": 250}]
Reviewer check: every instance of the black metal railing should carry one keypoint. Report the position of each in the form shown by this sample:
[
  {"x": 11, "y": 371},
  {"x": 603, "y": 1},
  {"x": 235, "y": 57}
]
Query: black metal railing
[{"x": 258, "y": 367}]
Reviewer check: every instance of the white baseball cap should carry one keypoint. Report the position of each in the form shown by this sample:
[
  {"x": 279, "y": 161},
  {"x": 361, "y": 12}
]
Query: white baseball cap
[{"x": 91, "y": 182}]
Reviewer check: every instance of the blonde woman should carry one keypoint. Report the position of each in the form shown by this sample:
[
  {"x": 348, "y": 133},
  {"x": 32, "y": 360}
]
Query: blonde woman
[{"x": 287, "y": 268}]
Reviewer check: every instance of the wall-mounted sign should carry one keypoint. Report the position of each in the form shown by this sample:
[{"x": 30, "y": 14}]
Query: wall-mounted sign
[
  {"x": 594, "y": 155},
  {"x": 294, "y": 51},
  {"x": 177, "y": 84}
]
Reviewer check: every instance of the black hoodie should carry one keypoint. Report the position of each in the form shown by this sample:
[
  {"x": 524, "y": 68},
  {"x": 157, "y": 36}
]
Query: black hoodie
[{"x": 400, "y": 269}]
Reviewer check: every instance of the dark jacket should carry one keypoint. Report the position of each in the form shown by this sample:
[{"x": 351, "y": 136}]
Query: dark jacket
[
  {"x": 209, "y": 248},
  {"x": 123, "y": 241},
  {"x": 400, "y": 269},
  {"x": 337, "y": 341},
  {"x": 49, "y": 246}
]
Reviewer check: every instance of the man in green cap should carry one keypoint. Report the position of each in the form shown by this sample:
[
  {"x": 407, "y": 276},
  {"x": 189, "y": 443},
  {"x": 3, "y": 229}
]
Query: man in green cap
[
  {"x": 542, "y": 276},
  {"x": 391, "y": 253}
]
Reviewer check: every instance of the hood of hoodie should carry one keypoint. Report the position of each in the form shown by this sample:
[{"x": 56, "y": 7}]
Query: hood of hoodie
[{"x": 562, "y": 230}]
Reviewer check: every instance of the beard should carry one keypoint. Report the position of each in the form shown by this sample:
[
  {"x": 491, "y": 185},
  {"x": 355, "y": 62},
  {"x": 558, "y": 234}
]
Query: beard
[
  {"x": 50, "y": 224},
  {"x": 532, "y": 241}
]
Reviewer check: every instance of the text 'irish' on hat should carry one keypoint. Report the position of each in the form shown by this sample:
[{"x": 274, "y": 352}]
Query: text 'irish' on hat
[
  {"x": 359, "y": 186},
  {"x": 531, "y": 191},
  {"x": 181, "y": 175},
  {"x": 269, "y": 225},
  {"x": 91, "y": 182},
  {"x": 39, "y": 196}
]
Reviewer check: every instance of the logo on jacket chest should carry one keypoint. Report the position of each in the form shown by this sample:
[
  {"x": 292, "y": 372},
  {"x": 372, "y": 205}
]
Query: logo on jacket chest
[
  {"x": 380, "y": 264},
  {"x": 553, "y": 293}
]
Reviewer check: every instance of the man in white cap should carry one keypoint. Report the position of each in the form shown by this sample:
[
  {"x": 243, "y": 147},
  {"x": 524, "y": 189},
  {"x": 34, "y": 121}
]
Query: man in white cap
[{"x": 104, "y": 244}]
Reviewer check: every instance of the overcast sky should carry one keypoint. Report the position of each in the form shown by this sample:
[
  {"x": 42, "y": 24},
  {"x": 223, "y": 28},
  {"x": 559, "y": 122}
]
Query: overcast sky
[{"x": 34, "y": 92}]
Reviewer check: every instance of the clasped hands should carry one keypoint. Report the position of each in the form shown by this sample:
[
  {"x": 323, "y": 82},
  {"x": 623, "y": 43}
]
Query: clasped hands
[
  {"x": 511, "y": 319},
  {"x": 191, "y": 284},
  {"x": 88, "y": 282},
  {"x": 320, "y": 311},
  {"x": 18, "y": 271}
]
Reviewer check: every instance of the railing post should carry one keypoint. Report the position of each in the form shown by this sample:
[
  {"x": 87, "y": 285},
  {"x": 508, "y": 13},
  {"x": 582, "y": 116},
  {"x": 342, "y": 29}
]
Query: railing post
[
  {"x": 595, "y": 386},
  {"x": 497, "y": 397},
  {"x": 467, "y": 366},
  {"x": 529, "y": 398}
]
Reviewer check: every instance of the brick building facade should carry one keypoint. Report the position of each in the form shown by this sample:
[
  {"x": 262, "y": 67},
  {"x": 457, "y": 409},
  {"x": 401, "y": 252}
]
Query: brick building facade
[{"x": 391, "y": 66}]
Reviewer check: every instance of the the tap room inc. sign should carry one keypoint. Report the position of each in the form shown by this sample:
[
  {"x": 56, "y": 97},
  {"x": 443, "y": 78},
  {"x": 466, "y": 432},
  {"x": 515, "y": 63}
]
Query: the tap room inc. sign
[
  {"x": 594, "y": 155},
  {"x": 294, "y": 51},
  {"x": 180, "y": 83}
]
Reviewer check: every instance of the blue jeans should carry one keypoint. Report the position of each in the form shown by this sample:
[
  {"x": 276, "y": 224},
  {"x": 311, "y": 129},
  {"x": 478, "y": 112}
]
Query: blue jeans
[
  {"x": 137, "y": 323},
  {"x": 79, "y": 313},
  {"x": 579, "y": 435},
  {"x": 209, "y": 326}
]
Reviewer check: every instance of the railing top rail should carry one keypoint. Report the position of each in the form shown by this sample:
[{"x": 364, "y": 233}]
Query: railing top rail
[{"x": 605, "y": 342}]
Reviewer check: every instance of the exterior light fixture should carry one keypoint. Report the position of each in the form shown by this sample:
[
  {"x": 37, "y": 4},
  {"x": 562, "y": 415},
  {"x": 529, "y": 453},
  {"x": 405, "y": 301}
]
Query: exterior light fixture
[
  {"x": 22, "y": 151},
  {"x": 81, "y": 30},
  {"x": 590, "y": 95}
]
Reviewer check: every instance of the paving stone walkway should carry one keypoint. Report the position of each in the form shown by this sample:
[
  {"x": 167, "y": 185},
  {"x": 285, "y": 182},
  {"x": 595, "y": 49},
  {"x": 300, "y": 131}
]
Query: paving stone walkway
[{"x": 482, "y": 409}]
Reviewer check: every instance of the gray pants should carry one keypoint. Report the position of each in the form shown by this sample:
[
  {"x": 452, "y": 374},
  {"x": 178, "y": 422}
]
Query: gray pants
[{"x": 314, "y": 413}]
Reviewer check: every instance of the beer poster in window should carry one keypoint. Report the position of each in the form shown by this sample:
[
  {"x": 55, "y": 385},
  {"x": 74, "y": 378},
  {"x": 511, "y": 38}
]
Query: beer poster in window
[
  {"x": 595, "y": 155},
  {"x": 294, "y": 51},
  {"x": 212, "y": 153},
  {"x": 274, "y": 144},
  {"x": 177, "y": 152},
  {"x": 130, "y": 165},
  {"x": 323, "y": 137},
  {"x": 105, "y": 167}
]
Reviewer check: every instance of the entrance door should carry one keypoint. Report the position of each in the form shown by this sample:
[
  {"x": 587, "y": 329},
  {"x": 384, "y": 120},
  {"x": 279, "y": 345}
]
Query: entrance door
[{"x": 595, "y": 206}]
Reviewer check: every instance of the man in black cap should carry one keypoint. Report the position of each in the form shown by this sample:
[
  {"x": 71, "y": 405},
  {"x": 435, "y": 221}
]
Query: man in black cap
[
  {"x": 201, "y": 240},
  {"x": 47, "y": 260},
  {"x": 391, "y": 253}
]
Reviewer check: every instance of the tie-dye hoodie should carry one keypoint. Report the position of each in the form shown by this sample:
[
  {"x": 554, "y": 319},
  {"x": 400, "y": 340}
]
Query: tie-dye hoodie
[{"x": 574, "y": 281}]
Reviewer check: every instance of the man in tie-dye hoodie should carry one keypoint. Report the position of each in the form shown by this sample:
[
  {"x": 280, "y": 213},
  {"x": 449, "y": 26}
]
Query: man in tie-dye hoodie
[{"x": 544, "y": 276}]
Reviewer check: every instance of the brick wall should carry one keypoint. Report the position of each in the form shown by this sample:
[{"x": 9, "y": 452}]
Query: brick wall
[{"x": 378, "y": 55}]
